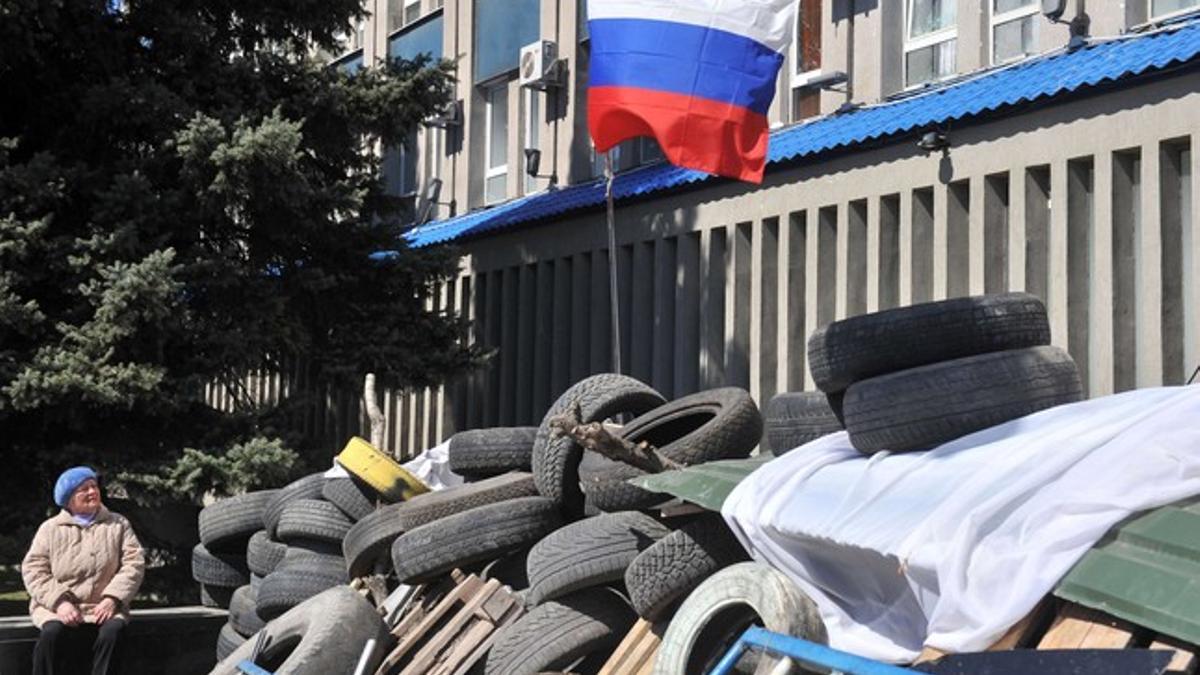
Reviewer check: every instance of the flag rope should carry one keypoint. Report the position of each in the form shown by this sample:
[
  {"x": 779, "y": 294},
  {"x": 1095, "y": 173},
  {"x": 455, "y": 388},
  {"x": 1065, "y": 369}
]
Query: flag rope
[{"x": 614, "y": 299}]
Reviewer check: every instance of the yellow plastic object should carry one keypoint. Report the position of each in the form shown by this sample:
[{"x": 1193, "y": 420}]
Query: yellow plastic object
[{"x": 379, "y": 471}]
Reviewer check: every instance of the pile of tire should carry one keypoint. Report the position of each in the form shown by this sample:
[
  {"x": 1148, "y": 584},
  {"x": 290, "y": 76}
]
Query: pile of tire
[
  {"x": 262, "y": 553},
  {"x": 915, "y": 377},
  {"x": 563, "y": 530}
]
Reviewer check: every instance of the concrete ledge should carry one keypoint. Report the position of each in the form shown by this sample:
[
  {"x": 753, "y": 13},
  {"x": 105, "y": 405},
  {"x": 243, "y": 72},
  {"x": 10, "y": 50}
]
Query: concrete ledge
[{"x": 176, "y": 640}]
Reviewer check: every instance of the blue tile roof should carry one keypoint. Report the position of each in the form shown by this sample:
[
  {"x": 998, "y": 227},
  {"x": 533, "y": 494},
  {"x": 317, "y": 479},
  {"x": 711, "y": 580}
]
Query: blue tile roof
[{"x": 990, "y": 91}]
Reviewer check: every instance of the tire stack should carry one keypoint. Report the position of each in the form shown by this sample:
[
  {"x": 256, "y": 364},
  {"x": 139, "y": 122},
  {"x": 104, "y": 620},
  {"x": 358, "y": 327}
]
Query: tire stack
[
  {"x": 919, "y": 376},
  {"x": 274, "y": 549}
]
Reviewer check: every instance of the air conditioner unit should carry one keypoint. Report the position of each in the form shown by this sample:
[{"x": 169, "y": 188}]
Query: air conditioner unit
[{"x": 539, "y": 66}]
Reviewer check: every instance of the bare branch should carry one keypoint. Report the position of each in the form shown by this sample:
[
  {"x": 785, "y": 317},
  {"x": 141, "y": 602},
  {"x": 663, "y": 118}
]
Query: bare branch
[
  {"x": 378, "y": 422},
  {"x": 596, "y": 438}
]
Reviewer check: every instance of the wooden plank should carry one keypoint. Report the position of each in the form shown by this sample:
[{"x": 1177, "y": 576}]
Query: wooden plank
[
  {"x": 413, "y": 635},
  {"x": 929, "y": 654},
  {"x": 1022, "y": 632},
  {"x": 1076, "y": 627},
  {"x": 637, "y": 650},
  {"x": 1184, "y": 661},
  {"x": 434, "y": 645}
]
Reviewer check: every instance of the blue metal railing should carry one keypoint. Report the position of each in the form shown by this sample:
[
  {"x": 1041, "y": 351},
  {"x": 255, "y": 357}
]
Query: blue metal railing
[{"x": 804, "y": 652}]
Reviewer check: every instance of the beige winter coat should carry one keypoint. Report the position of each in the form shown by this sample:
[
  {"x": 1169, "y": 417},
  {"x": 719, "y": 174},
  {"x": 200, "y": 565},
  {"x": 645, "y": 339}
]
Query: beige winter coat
[{"x": 84, "y": 564}]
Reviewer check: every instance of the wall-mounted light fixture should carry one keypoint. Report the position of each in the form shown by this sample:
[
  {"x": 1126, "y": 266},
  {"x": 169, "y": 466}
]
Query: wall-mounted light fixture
[{"x": 933, "y": 141}]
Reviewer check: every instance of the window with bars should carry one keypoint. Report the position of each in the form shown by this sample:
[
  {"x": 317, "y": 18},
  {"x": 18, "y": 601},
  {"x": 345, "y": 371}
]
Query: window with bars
[
  {"x": 930, "y": 41},
  {"x": 1014, "y": 29},
  {"x": 495, "y": 182}
]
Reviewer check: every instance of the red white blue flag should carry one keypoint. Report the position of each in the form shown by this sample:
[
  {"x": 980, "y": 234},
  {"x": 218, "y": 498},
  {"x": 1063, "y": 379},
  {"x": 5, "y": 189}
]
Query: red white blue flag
[{"x": 697, "y": 75}]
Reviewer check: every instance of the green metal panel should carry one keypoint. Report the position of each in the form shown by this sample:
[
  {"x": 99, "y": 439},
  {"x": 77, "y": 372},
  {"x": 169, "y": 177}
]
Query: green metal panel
[
  {"x": 1146, "y": 571},
  {"x": 705, "y": 484}
]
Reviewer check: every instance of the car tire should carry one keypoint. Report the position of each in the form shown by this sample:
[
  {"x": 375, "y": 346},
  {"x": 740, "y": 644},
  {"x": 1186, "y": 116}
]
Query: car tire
[
  {"x": 588, "y": 553},
  {"x": 716, "y": 613},
  {"x": 660, "y": 577},
  {"x": 308, "y": 487},
  {"x": 555, "y": 460},
  {"x": 491, "y": 452},
  {"x": 228, "y": 523},
  {"x": 473, "y": 536},
  {"x": 313, "y": 519},
  {"x": 795, "y": 418},
  {"x": 301, "y": 575},
  {"x": 927, "y": 406},
  {"x": 219, "y": 569},
  {"x": 861, "y": 347},
  {"x": 263, "y": 553},
  {"x": 560, "y": 632},
  {"x": 325, "y": 634},
  {"x": 370, "y": 539},
  {"x": 243, "y": 612},
  {"x": 355, "y": 498}
]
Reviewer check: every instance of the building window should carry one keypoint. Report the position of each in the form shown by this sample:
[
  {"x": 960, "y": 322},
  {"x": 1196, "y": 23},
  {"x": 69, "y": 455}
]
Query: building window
[
  {"x": 421, "y": 37},
  {"x": 806, "y": 60},
  {"x": 628, "y": 155},
  {"x": 400, "y": 175},
  {"x": 502, "y": 27},
  {"x": 1014, "y": 29},
  {"x": 930, "y": 41},
  {"x": 412, "y": 11},
  {"x": 495, "y": 181},
  {"x": 1162, "y": 8},
  {"x": 533, "y": 115}
]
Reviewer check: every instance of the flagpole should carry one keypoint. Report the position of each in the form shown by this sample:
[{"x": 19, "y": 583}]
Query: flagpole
[{"x": 614, "y": 299}]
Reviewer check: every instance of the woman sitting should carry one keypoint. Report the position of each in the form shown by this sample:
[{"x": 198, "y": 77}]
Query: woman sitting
[{"x": 82, "y": 571}]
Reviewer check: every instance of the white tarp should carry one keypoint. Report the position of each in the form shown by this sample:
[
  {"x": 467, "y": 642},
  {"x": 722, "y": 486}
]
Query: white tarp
[
  {"x": 433, "y": 467},
  {"x": 948, "y": 548}
]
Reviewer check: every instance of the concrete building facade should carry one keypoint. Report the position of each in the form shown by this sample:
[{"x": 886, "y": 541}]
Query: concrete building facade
[{"x": 1086, "y": 200}]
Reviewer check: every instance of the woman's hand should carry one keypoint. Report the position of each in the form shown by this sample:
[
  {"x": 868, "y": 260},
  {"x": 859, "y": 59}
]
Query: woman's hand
[
  {"x": 104, "y": 610},
  {"x": 68, "y": 613}
]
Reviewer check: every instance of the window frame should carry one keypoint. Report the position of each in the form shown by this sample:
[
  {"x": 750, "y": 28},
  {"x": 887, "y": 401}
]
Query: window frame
[
  {"x": 997, "y": 19},
  {"x": 1152, "y": 17},
  {"x": 799, "y": 78},
  {"x": 489, "y": 114},
  {"x": 930, "y": 39},
  {"x": 404, "y": 18}
]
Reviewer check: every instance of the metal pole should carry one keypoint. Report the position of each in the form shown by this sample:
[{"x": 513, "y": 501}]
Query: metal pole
[{"x": 613, "y": 298}]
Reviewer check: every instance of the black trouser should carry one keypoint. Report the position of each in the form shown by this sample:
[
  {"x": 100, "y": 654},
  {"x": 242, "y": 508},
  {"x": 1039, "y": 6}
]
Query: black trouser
[{"x": 66, "y": 650}]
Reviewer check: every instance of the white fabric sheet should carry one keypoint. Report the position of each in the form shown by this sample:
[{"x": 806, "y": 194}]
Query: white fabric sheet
[
  {"x": 949, "y": 547},
  {"x": 433, "y": 467}
]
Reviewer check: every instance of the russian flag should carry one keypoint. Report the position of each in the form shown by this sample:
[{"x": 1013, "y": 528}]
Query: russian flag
[{"x": 697, "y": 75}]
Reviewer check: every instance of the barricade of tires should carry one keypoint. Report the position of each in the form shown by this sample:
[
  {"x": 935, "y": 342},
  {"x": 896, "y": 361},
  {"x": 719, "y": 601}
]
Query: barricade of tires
[
  {"x": 263, "y": 553},
  {"x": 915, "y": 377}
]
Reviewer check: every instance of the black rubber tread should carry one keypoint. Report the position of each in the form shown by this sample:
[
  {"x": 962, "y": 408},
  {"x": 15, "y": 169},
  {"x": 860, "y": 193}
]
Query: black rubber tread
[
  {"x": 243, "y": 615},
  {"x": 228, "y": 524},
  {"x": 325, "y": 635},
  {"x": 300, "y": 576},
  {"x": 555, "y": 460},
  {"x": 217, "y": 597},
  {"x": 869, "y": 345},
  {"x": 355, "y": 498},
  {"x": 312, "y": 519},
  {"x": 554, "y": 635},
  {"x": 708, "y": 425},
  {"x": 491, "y": 452},
  {"x": 660, "y": 577},
  {"x": 588, "y": 553},
  {"x": 795, "y": 418},
  {"x": 219, "y": 569},
  {"x": 308, "y": 487},
  {"x": 604, "y": 484},
  {"x": 263, "y": 553},
  {"x": 228, "y": 641},
  {"x": 510, "y": 570},
  {"x": 482, "y": 533},
  {"x": 371, "y": 538},
  {"x": 927, "y": 406}
]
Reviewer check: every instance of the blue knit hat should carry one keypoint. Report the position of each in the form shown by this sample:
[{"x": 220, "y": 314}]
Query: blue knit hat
[{"x": 69, "y": 481}]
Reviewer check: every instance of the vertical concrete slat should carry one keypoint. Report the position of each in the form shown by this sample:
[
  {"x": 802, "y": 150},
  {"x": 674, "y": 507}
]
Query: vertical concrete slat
[
  {"x": 941, "y": 241},
  {"x": 1056, "y": 257},
  {"x": 1016, "y": 228},
  {"x": 889, "y": 251},
  {"x": 812, "y": 237},
  {"x": 738, "y": 304},
  {"x": 754, "y": 354},
  {"x": 766, "y": 347},
  {"x": 1120, "y": 281},
  {"x": 1149, "y": 274},
  {"x": 996, "y": 245},
  {"x": 841, "y": 260},
  {"x": 581, "y": 309},
  {"x": 795, "y": 334},
  {"x": 600, "y": 314},
  {"x": 1172, "y": 191},
  {"x": 544, "y": 350},
  {"x": 663, "y": 361},
  {"x": 923, "y": 239},
  {"x": 874, "y": 272},
  {"x": 906, "y": 247},
  {"x": 1190, "y": 229},
  {"x": 510, "y": 315},
  {"x": 977, "y": 237},
  {"x": 686, "y": 350},
  {"x": 1101, "y": 308},
  {"x": 1080, "y": 232},
  {"x": 959, "y": 232},
  {"x": 641, "y": 321},
  {"x": 856, "y": 258},
  {"x": 825, "y": 284},
  {"x": 714, "y": 256},
  {"x": 561, "y": 330}
]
